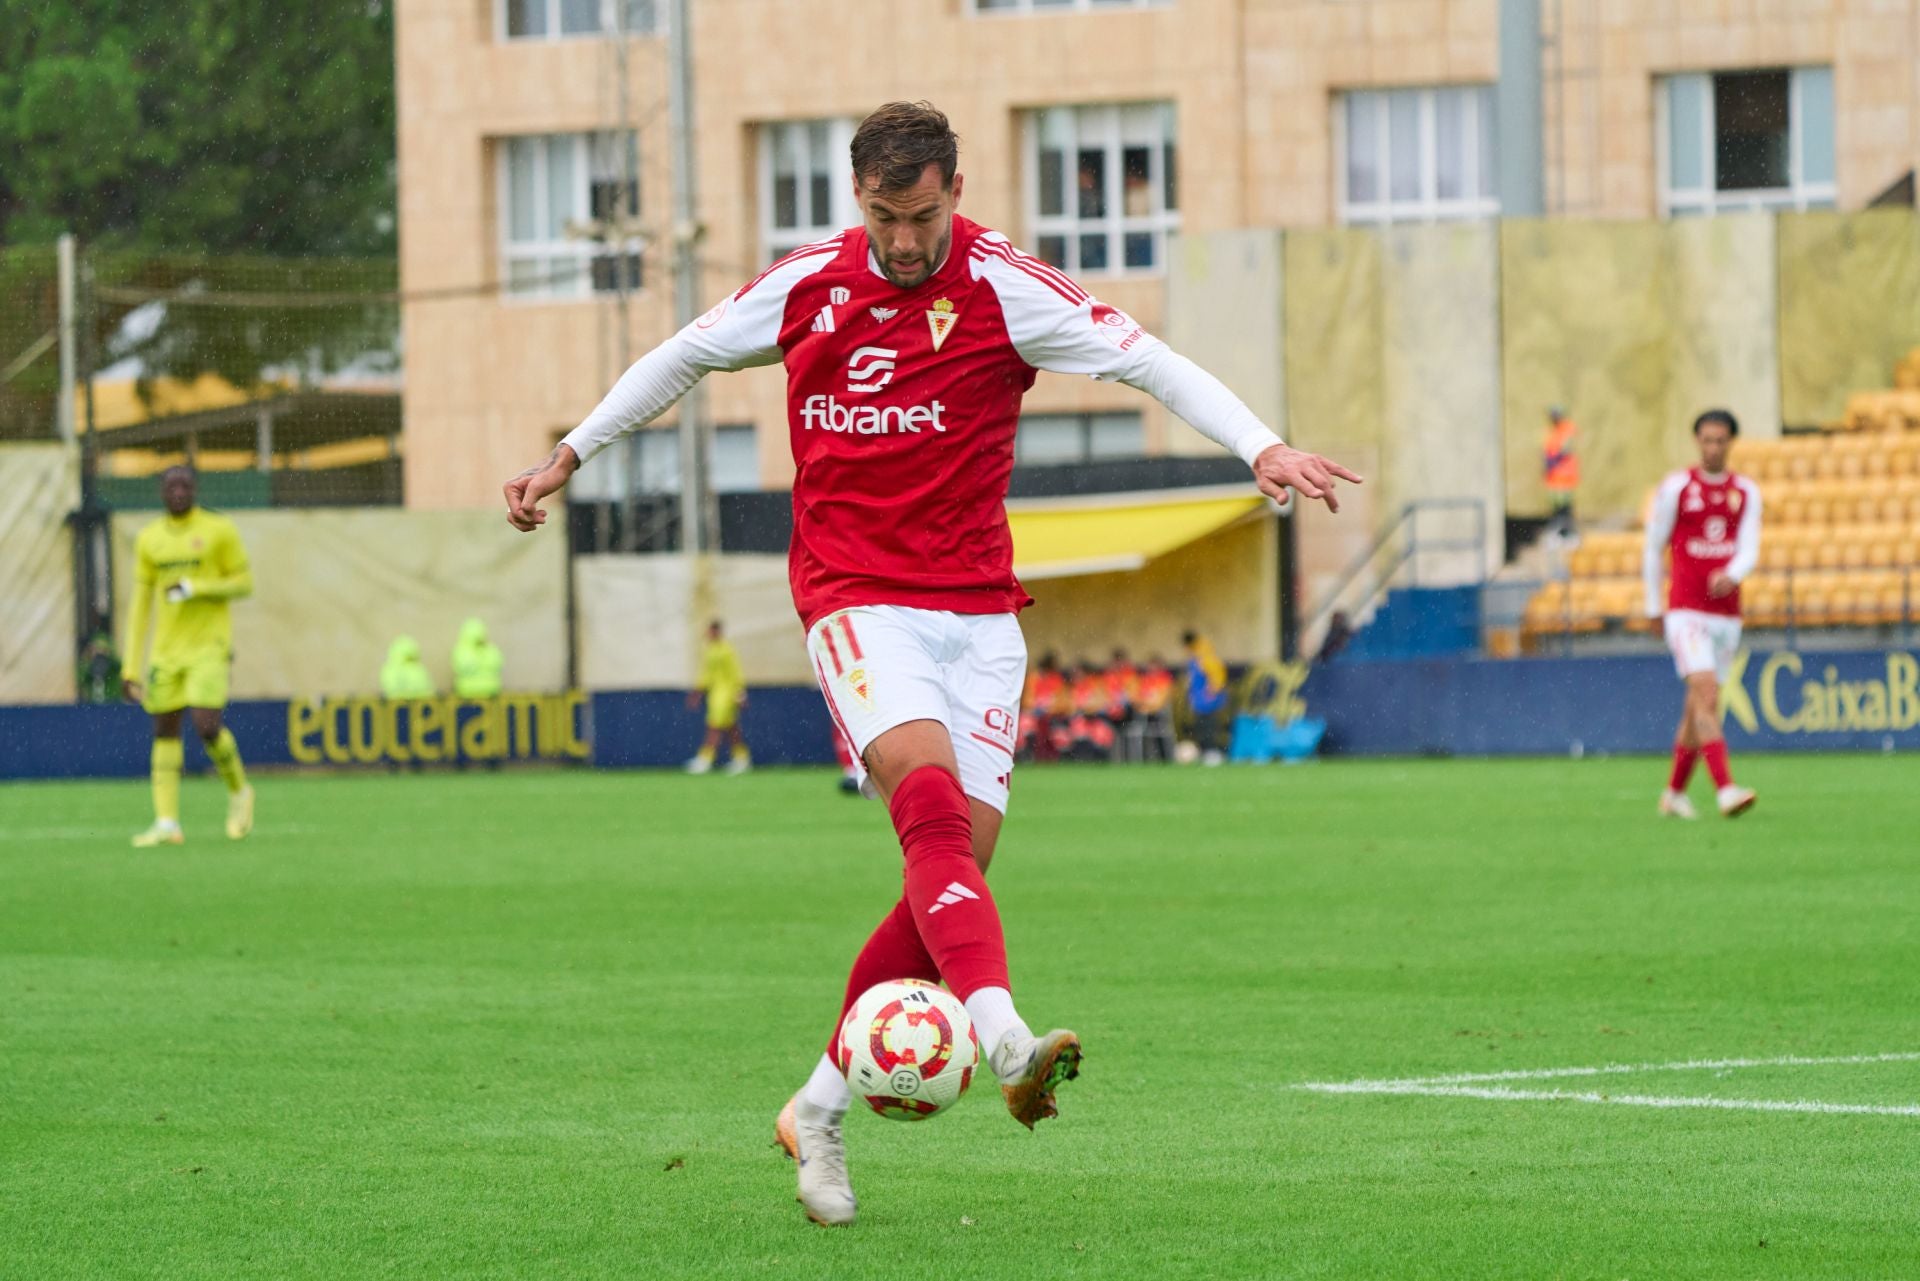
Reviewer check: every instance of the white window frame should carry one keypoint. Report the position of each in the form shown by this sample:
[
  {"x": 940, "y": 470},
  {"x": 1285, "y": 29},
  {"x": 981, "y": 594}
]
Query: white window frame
[
  {"x": 1799, "y": 194},
  {"x": 625, "y": 467},
  {"x": 841, "y": 211},
  {"x": 1084, "y": 425},
  {"x": 1101, "y": 123},
  {"x": 1026, "y": 8},
  {"x": 608, "y": 9},
  {"x": 581, "y": 250},
  {"x": 1430, "y": 206}
]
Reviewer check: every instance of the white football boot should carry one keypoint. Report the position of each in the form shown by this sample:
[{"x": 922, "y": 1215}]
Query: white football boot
[
  {"x": 739, "y": 764},
  {"x": 700, "y": 765},
  {"x": 1030, "y": 1068},
  {"x": 1676, "y": 805},
  {"x": 819, "y": 1153},
  {"x": 1735, "y": 800}
]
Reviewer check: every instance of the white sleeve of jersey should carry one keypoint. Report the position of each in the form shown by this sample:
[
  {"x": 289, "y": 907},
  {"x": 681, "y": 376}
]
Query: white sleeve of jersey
[
  {"x": 1746, "y": 548},
  {"x": 1057, "y": 326},
  {"x": 1660, "y": 519},
  {"x": 742, "y": 331}
]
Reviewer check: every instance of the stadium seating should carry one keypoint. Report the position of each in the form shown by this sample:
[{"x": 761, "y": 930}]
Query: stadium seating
[{"x": 1842, "y": 535}]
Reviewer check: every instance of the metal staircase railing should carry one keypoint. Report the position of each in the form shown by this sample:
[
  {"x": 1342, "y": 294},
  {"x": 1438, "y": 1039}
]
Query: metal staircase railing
[{"x": 1398, "y": 547}]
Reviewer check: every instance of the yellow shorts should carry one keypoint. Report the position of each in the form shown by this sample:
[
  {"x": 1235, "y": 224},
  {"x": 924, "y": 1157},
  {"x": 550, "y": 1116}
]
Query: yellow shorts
[
  {"x": 723, "y": 711},
  {"x": 199, "y": 682}
]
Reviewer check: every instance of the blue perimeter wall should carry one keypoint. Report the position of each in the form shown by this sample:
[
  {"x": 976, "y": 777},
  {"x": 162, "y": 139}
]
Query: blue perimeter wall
[{"x": 1781, "y": 700}]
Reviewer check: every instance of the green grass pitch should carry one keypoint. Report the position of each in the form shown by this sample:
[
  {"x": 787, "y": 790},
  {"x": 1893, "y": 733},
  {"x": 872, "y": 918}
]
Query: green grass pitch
[{"x": 539, "y": 1024}]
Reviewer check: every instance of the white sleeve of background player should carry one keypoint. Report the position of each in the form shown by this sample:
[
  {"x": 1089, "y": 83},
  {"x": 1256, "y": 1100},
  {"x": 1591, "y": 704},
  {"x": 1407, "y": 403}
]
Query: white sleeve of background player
[
  {"x": 1746, "y": 548},
  {"x": 1057, "y": 326},
  {"x": 1660, "y": 519},
  {"x": 742, "y": 331}
]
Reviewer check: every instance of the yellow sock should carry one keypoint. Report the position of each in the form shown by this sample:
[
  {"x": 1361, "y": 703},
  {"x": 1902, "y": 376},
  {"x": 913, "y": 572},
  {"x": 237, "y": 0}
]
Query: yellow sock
[
  {"x": 225, "y": 754},
  {"x": 741, "y": 753},
  {"x": 705, "y": 753},
  {"x": 167, "y": 755}
]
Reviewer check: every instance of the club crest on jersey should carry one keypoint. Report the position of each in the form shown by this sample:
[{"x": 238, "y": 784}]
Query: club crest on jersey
[
  {"x": 862, "y": 688},
  {"x": 941, "y": 320}
]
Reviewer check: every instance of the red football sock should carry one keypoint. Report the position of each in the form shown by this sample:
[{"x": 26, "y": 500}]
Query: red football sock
[
  {"x": 1683, "y": 759},
  {"x": 1716, "y": 758},
  {"x": 894, "y": 951},
  {"x": 952, "y": 907}
]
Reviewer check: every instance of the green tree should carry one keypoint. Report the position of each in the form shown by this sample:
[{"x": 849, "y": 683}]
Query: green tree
[
  {"x": 213, "y": 126},
  {"x": 197, "y": 149}
]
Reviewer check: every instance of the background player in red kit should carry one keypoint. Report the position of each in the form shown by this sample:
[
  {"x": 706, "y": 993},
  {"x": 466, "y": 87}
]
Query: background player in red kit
[
  {"x": 1708, "y": 520},
  {"x": 908, "y": 344}
]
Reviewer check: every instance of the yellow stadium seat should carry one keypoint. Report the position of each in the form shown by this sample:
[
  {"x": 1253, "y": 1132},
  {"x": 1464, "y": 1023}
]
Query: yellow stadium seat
[
  {"x": 1818, "y": 511},
  {"x": 1803, "y": 557},
  {"x": 1812, "y": 606},
  {"x": 1877, "y": 463},
  {"x": 1853, "y": 551},
  {"x": 1826, "y": 555},
  {"x": 1889, "y": 603}
]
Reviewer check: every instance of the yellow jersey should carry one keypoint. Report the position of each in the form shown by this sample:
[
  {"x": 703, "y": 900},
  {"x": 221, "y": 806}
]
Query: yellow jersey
[
  {"x": 203, "y": 551},
  {"x": 720, "y": 674}
]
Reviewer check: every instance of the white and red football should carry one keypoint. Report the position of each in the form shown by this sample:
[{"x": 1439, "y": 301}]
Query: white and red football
[{"x": 908, "y": 1049}]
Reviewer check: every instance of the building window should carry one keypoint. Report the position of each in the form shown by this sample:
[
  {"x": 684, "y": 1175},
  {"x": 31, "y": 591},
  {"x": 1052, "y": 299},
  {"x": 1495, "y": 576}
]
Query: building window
[
  {"x": 806, "y": 188},
  {"x": 648, "y": 462},
  {"x": 567, "y": 19},
  {"x": 1102, "y": 190},
  {"x": 1060, "y": 6},
  {"x": 571, "y": 224},
  {"x": 1416, "y": 155},
  {"x": 1078, "y": 438},
  {"x": 1744, "y": 140}
]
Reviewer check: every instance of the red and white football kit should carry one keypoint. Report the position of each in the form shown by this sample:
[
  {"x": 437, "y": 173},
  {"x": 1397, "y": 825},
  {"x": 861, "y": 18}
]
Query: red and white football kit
[
  {"x": 1706, "y": 523},
  {"x": 901, "y": 407}
]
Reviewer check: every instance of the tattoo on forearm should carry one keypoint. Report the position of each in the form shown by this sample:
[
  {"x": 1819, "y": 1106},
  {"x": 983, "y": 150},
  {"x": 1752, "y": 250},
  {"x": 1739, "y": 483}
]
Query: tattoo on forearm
[{"x": 537, "y": 468}]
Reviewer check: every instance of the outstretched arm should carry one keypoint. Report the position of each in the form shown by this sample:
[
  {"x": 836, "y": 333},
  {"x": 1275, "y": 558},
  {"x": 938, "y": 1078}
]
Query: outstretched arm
[
  {"x": 739, "y": 333},
  {"x": 1056, "y": 325},
  {"x": 1216, "y": 413}
]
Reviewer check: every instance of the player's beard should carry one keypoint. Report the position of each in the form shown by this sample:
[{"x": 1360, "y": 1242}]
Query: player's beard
[{"x": 927, "y": 268}]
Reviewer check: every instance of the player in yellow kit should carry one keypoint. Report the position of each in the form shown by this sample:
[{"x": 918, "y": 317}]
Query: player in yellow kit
[
  {"x": 193, "y": 561},
  {"x": 725, "y": 687}
]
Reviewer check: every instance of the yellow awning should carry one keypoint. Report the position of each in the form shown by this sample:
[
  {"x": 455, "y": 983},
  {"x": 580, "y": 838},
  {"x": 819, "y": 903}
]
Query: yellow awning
[{"x": 1061, "y": 539}]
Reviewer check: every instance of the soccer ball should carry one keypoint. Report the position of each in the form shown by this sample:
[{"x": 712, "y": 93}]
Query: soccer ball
[{"x": 907, "y": 1048}]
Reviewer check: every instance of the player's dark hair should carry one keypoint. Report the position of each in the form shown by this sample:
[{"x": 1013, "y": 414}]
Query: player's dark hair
[
  {"x": 1722, "y": 416},
  {"x": 193, "y": 473},
  {"x": 893, "y": 146}
]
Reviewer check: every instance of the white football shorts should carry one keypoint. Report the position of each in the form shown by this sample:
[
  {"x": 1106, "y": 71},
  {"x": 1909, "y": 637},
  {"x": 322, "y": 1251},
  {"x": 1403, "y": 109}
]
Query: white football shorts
[
  {"x": 1703, "y": 642},
  {"x": 881, "y": 666}
]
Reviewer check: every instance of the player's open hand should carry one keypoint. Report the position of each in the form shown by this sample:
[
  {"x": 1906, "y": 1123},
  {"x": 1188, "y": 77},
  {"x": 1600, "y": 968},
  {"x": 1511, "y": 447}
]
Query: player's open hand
[
  {"x": 525, "y": 491},
  {"x": 1282, "y": 467},
  {"x": 130, "y": 691},
  {"x": 1720, "y": 583}
]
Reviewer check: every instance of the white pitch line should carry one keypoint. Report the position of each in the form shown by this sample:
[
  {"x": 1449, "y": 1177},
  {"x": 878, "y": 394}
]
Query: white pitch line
[
  {"x": 1476, "y": 1085},
  {"x": 1611, "y": 1069},
  {"x": 1502, "y": 1094}
]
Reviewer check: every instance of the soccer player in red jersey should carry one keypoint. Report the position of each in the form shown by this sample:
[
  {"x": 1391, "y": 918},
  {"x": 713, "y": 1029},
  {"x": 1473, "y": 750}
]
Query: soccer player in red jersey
[
  {"x": 1708, "y": 519},
  {"x": 908, "y": 343}
]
